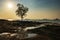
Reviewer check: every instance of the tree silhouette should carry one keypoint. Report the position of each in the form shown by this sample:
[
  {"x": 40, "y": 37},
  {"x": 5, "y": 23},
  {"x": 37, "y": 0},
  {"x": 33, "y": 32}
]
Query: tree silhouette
[{"x": 21, "y": 11}]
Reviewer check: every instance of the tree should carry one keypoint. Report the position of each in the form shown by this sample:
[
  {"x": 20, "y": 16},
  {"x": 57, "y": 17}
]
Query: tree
[{"x": 21, "y": 11}]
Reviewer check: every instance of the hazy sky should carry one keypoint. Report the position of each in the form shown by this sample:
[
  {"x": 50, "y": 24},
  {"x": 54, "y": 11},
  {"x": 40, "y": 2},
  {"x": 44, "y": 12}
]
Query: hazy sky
[{"x": 38, "y": 9}]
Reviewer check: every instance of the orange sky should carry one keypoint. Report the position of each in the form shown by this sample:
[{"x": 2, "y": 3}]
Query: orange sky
[
  {"x": 32, "y": 14},
  {"x": 35, "y": 12}
]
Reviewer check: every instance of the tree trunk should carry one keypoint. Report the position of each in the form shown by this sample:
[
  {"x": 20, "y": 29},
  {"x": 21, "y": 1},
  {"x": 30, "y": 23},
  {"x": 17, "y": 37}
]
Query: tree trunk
[{"x": 21, "y": 18}]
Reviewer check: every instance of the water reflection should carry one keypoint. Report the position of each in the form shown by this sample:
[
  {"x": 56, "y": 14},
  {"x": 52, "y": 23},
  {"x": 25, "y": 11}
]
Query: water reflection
[
  {"x": 15, "y": 34},
  {"x": 29, "y": 35}
]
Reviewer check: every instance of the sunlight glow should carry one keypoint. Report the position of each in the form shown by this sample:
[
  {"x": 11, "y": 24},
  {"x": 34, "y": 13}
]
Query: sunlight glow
[{"x": 10, "y": 5}]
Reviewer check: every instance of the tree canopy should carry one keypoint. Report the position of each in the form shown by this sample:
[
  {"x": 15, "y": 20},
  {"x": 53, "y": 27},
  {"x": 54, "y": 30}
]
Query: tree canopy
[{"x": 21, "y": 11}]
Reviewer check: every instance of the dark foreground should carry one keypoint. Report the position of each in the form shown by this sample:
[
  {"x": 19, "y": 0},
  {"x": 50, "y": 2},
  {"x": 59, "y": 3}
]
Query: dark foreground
[{"x": 50, "y": 31}]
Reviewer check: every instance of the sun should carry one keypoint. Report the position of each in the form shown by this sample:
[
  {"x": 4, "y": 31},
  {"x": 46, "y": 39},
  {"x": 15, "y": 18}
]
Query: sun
[{"x": 10, "y": 5}]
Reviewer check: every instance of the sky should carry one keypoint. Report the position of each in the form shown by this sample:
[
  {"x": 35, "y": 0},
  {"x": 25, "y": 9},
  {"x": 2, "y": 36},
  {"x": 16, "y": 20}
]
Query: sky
[{"x": 38, "y": 9}]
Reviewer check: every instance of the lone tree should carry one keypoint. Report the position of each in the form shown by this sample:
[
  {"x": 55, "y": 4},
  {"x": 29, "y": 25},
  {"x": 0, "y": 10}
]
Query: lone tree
[{"x": 21, "y": 11}]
